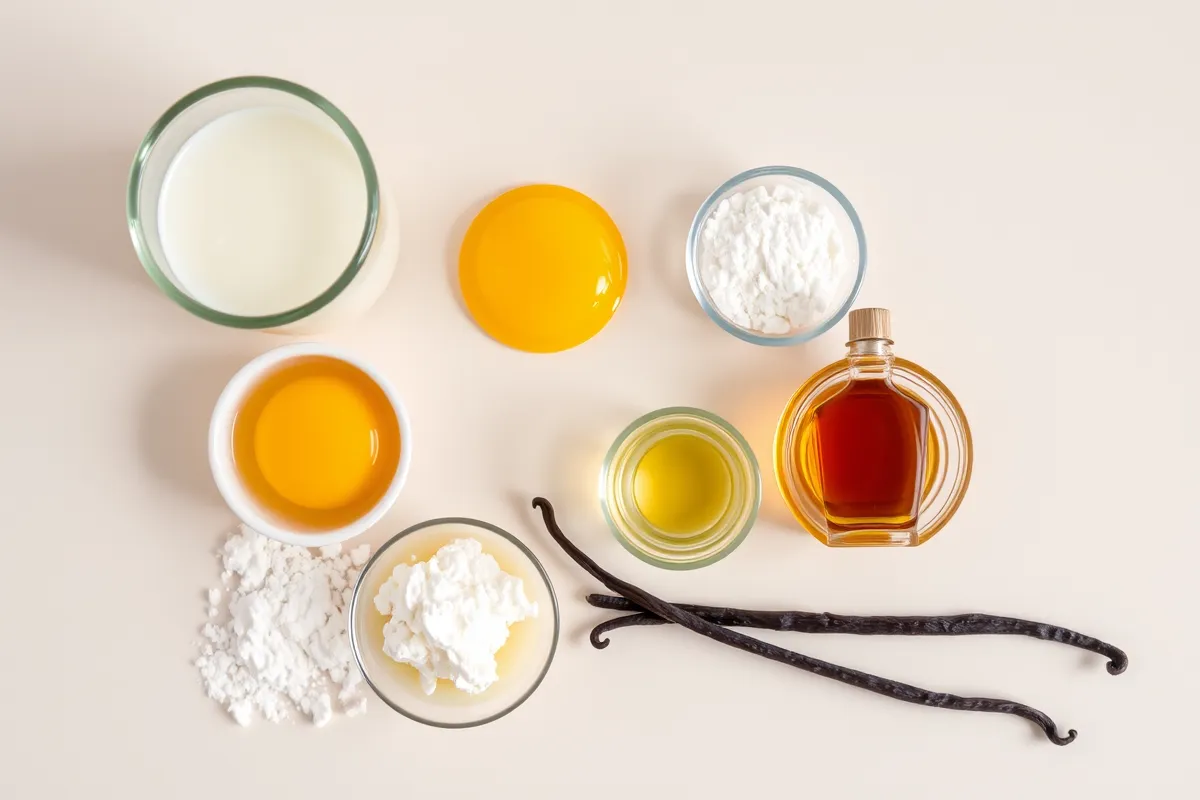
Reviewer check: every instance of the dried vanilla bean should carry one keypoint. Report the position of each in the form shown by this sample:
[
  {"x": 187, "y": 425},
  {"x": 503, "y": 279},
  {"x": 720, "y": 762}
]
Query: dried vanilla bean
[
  {"x": 821, "y": 622},
  {"x": 852, "y": 677}
]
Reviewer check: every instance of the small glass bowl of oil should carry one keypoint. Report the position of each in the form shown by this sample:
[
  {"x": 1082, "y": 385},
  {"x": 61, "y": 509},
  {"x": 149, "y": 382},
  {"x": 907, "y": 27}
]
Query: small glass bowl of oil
[
  {"x": 680, "y": 488},
  {"x": 949, "y": 452},
  {"x": 521, "y": 663}
]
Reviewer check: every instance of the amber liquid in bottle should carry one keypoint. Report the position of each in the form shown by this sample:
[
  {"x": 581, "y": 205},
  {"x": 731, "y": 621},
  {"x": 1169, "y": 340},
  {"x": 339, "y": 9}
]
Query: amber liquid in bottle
[{"x": 870, "y": 441}]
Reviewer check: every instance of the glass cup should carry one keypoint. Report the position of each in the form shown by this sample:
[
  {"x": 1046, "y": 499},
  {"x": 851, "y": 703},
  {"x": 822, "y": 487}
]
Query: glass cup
[
  {"x": 522, "y": 662},
  {"x": 668, "y": 549},
  {"x": 813, "y": 187},
  {"x": 368, "y": 269}
]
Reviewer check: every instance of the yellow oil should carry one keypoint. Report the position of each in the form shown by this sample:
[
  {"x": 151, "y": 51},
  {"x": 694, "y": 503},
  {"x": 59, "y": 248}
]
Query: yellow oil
[
  {"x": 421, "y": 546},
  {"x": 682, "y": 485},
  {"x": 542, "y": 268}
]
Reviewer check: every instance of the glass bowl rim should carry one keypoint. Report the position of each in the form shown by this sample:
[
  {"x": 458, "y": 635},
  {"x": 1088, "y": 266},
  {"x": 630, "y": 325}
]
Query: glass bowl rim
[
  {"x": 356, "y": 645},
  {"x": 693, "y": 271},
  {"x": 133, "y": 211},
  {"x": 747, "y": 451}
]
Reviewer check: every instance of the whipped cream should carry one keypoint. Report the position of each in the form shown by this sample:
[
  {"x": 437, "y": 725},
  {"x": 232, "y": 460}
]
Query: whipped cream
[{"x": 451, "y": 614}]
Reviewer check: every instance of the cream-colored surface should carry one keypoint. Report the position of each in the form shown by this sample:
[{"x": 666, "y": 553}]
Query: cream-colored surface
[{"x": 1026, "y": 172}]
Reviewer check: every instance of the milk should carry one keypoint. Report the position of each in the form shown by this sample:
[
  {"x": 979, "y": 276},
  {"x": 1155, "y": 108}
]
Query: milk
[{"x": 262, "y": 210}]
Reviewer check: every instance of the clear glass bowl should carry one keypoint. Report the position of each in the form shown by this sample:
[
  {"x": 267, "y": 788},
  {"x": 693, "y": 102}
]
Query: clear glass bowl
[
  {"x": 522, "y": 663},
  {"x": 652, "y": 544},
  {"x": 813, "y": 186},
  {"x": 368, "y": 269},
  {"x": 949, "y": 452}
]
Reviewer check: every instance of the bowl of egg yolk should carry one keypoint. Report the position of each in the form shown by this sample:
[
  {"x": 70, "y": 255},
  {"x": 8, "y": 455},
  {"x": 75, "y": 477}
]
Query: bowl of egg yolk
[{"x": 309, "y": 445}]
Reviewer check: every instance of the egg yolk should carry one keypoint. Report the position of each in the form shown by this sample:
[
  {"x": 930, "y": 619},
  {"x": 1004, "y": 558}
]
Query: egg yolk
[
  {"x": 317, "y": 443},
  {"x": 542, "y": 268}
]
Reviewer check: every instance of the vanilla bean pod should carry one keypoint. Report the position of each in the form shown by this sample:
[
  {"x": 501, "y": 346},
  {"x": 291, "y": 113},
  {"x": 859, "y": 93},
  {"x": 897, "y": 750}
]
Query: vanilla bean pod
[
  {"x": 813, "y": 622},
  {"x": 852, "y": 677}
]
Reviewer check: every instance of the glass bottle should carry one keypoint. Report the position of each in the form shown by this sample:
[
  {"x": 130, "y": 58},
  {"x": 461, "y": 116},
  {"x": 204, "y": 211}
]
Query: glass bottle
[
  {"x": 946, "y": 455},
  {"x": 870, "y": 444}
]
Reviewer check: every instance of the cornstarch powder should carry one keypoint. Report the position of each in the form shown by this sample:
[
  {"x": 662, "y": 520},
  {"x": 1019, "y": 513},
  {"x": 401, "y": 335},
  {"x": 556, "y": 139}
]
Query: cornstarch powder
[
  {"x": 277, "y": 642},
  {"x": 772, "y": 260}
]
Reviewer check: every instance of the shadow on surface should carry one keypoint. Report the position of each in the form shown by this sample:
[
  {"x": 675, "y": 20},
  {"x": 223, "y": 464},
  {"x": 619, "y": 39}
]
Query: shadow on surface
[
  {"x": 174, "y": 415},
  {"x": 670, "y": 249},
  {"x": 454, "y": 240},
  {"x": 71, "y": 204},
  {"x": 753, "y": 404}
]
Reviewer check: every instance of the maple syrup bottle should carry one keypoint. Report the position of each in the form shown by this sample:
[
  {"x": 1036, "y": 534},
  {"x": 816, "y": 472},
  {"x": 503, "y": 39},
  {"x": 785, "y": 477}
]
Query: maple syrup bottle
[{"x": 870, "y": 443}]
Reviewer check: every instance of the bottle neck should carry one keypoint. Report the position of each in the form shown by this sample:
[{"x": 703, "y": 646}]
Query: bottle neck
[{"x": 870, "y": 358}]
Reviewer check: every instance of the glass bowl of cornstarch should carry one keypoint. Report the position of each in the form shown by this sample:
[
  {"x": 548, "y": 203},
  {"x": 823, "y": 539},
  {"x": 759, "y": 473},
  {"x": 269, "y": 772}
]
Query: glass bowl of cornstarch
[{"x": 776, "y": 255}]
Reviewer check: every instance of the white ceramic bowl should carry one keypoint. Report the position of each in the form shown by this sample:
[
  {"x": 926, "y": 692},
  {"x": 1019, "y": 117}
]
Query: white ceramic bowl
[{"x": 229, "y": 482}]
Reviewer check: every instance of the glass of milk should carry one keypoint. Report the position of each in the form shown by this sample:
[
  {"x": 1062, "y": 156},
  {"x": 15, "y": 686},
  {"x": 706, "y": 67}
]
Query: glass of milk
[{"x": 253, "y": 202}]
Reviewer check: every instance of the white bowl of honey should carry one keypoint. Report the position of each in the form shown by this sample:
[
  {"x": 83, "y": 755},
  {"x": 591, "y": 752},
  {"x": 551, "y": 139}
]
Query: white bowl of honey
[{"x": 309, "y": 445}]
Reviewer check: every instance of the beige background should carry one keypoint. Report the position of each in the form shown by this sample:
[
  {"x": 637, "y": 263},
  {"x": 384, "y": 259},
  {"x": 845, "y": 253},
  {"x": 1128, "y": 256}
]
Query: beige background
[{"x": 1026, "y": 173}]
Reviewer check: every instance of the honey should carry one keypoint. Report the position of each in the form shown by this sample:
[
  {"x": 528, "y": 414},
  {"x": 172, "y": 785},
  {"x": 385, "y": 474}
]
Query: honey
[{"x": 316, "y": 443}]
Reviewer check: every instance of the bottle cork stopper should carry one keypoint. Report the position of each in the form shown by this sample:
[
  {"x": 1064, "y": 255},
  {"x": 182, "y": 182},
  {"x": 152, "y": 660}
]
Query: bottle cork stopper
[{"x": 870, "y": 323}]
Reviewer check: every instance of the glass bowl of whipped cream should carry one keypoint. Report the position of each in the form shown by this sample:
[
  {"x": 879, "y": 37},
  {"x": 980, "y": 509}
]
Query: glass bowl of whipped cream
[
  {"x": 454, "y": 622},
  {"x": 776, "y": 255}
]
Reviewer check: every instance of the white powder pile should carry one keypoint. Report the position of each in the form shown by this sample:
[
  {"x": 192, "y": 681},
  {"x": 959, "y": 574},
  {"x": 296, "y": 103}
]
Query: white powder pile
[
  {"x": 450, "y": 615},
  {"x": 772, "y": 260},
  {"x": 281, "y": 642}
]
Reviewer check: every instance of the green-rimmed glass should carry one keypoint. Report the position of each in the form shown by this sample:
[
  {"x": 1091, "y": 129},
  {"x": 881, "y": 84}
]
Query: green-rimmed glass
[
  {"x": 665, "y": 548},
  {"x": 191, "y": 113}
]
